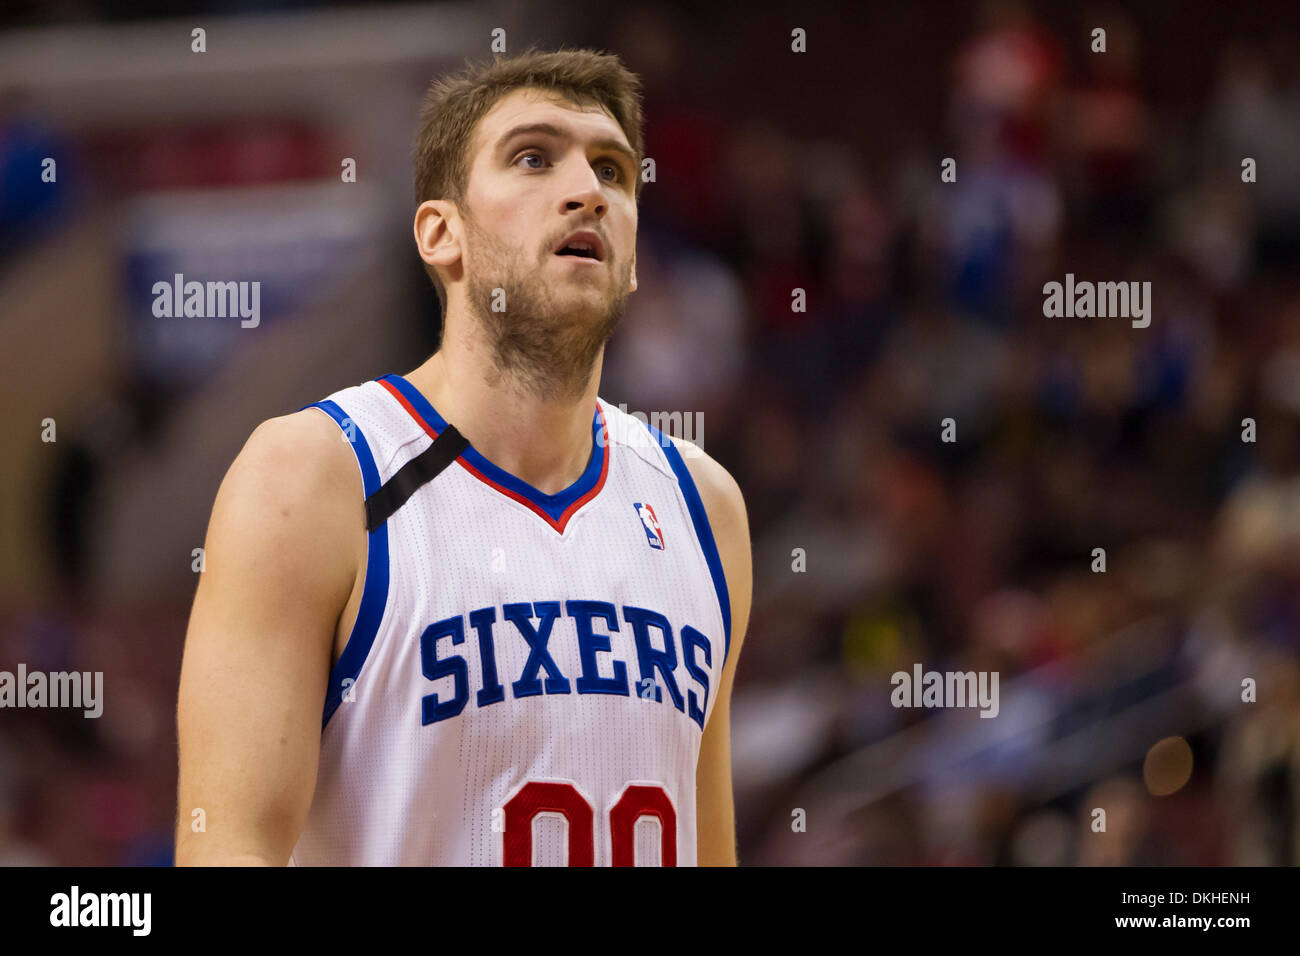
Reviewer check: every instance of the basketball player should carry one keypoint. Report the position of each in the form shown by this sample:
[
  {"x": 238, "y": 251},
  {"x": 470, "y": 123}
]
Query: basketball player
[{"x": 475, "y": 615}]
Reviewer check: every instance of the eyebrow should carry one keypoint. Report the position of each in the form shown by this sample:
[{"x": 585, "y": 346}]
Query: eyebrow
[{"x": 549, "y": 129}]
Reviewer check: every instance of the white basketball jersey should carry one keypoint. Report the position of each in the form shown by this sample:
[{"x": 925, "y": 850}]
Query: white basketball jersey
[{"x": 529, "y": 675}]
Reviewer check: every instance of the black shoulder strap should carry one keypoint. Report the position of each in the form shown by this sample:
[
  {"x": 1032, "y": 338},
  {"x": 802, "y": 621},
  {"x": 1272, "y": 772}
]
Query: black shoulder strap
[{"x": 420, "y": 470}]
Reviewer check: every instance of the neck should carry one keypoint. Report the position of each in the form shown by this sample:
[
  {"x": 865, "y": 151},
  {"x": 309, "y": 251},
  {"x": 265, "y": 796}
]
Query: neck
[{"x": 546, "y": 443}]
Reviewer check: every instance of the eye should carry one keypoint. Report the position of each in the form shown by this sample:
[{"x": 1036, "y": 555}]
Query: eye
[
  {"x": 532, "y": 153},
  {"x": 618, "y": 172}
]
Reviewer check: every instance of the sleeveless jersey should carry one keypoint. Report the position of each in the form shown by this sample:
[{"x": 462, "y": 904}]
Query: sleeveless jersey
[{"x": 529, "y": 675}]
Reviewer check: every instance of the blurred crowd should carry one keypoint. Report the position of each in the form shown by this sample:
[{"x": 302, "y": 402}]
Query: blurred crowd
[{"x": 878, "y": 544}]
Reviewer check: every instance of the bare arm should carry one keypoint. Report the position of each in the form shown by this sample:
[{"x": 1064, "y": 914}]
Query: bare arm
[
  {"x": 280, "y": 559},
  {"x": 715, "y": 805}
]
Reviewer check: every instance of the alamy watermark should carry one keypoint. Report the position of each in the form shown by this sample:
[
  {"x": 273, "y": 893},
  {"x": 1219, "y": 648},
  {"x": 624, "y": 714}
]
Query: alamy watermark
[
  {"x": 83, "y": 689},
  {"x": 686, "y": 426},
  {"x": 1084, "y": 300},
  {"x": 946, "y": 689},
  {"x": 129, "y": 910},
  {"x": 208, "y": 300}
]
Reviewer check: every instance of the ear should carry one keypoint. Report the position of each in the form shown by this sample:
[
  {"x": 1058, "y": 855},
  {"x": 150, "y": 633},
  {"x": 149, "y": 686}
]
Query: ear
[
  {"x": 633, "y": 286},
  {"x": 437, "y": 233}
]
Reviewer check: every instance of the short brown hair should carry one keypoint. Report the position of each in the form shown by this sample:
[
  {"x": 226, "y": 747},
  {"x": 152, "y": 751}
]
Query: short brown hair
[{"x": 454, "y": 105}]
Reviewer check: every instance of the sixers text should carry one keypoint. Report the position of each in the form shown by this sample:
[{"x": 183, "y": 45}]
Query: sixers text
[{"x": 530, "y": 682}]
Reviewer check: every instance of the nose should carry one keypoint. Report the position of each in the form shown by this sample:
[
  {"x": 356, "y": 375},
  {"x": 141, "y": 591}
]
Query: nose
[{"x": 585, "y": 193}]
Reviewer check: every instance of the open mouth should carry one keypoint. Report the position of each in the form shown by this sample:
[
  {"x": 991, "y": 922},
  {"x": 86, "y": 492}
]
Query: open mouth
[
  {"x": 578, "y": 254},
  {"x": 584, "y": 246}
]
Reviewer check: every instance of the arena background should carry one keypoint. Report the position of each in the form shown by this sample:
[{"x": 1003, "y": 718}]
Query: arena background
[{"x": 878, "y": 545}]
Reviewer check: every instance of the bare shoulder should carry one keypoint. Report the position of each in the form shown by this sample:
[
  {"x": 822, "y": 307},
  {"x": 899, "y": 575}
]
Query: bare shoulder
[
  {"x": 307, "y": 437},
  {"x": 300, "y": 456},
  {"x": 281, "y": 552},
  {"x": 719, "y": 491},
  {"x": 294, "y": 489},
  {"x": 725, "y": 506}
]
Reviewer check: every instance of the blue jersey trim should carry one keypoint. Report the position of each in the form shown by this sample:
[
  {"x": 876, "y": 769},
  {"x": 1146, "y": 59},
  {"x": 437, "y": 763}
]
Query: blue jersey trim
[
  {"x": 703, "y": 530},
  {"x": 374, "y": 597},
  {"x": 554, "y": 505}
]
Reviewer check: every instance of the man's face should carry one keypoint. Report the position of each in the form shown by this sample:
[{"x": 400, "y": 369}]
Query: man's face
[{"x": 543, "y": 170}]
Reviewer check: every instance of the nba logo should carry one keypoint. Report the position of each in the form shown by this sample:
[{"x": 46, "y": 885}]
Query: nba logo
[{"x": 654, "y": 534}]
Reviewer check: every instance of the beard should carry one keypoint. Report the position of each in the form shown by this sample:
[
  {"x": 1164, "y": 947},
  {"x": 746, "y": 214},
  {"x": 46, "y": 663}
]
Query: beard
[{"x": 546, "y": 347}]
